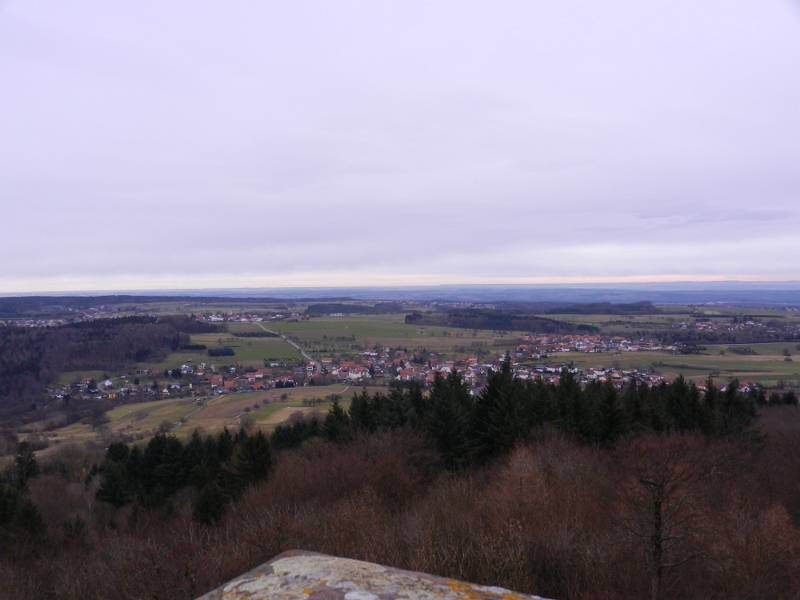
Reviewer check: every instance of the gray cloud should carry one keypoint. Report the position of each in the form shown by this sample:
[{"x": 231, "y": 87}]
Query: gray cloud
[{"x": 149, "y": 143}]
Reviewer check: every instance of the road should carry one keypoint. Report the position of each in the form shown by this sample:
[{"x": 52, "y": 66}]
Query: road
[{"x": 317, "y": 366}]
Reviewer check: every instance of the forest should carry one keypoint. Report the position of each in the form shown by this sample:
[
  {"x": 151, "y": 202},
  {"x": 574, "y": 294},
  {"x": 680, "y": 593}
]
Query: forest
[
  {"x": 496, "y": 319},
  {"x": 666, "y": 492},
  {"x": 378, "y": 308},
  {"x": 31, "y": 358}
]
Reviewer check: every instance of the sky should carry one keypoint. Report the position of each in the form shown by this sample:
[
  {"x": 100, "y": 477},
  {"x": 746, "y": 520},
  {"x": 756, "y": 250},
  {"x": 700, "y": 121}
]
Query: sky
[{"x": 202, "y": 144}]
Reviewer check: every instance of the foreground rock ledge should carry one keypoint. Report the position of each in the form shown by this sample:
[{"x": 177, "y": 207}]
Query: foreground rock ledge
[{"x": 296, "y": 575}]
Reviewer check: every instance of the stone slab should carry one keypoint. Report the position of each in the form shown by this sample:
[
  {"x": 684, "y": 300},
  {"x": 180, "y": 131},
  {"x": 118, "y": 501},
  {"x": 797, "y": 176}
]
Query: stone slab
[{"x": 297, "y": 575}]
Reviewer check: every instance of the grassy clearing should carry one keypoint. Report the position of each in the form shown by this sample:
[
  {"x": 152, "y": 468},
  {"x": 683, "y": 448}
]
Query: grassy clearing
[
  {"x": 210, "y": 413},
  {"x": 767, "y": 366},
  {"x": 73, "y": 376},
  {"x": 345, "y": 336}
]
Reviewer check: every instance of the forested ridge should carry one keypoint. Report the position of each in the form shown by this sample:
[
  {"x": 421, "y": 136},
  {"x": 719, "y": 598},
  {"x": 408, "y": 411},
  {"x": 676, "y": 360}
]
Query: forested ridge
[
  {"x": 558, "y": 490},
  {"x": 471, "y": 430},
  {"x": 496, "y": 319},
  {"x": 32, "y": 358}
]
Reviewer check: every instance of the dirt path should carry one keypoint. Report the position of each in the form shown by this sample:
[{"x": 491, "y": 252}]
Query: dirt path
[
  {"x": 317, "y": 366},
  {"x": 283, "y": 414}
]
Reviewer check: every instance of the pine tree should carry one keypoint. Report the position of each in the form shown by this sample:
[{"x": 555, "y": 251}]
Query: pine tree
[
  {"x": 114, "y": 487},
  {"x": 210, "y": 506},
  {"x": 361, "y": 413},
  {"x": 499, "y": 419},
  {"x": 252, "y": 462},
  {"x": 18, "y": 513},
  {"x": 397, "y": 409},
  {"x": 25, "y": 465},
  {"x": 28, "y": 518},
  {"x": 9, "y": 500},
  {"x": 171, "y": 473},
  {"x": 224, "y": 445},
  {"x": 540, "y": 406},
  {"x": 336, "y": 426},
  {"x": 736, "y": 410},
  {"x": 709, "y": 414},
  {"x": 194, "y": 453},
  {"x": 133, "y": 471},
  {"x": 448, "y": 418},
  {"x": 633, "y": 404},
  {"x": 610, "y": 417},
  {"x": 580, "y": 420},
  {"x": 117, "y": 452},
  {"x": 677, "y": 405}
]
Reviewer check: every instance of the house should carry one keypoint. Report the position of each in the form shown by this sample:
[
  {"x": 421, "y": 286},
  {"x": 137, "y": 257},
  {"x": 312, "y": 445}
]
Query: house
[{"x": 358, "y": 373}]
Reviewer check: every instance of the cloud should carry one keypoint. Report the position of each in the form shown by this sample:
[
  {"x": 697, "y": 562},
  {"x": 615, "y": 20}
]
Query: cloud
[{"x": 462, "y": 141}]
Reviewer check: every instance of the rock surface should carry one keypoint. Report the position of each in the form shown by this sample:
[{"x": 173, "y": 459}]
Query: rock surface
[{"x": 296, "y": 575}]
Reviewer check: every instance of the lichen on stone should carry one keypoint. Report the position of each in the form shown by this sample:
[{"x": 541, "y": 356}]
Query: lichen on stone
[{"x": 297, "y": 575}]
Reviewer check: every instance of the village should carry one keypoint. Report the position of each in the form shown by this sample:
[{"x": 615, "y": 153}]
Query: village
[{"x": 531, "y": 359}]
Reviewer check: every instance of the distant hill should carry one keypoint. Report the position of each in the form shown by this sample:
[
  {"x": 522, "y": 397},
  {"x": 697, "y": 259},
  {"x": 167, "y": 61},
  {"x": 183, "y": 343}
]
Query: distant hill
[
  {"x": 501, "y": 320},
  {"x": 330, "y": 308}
]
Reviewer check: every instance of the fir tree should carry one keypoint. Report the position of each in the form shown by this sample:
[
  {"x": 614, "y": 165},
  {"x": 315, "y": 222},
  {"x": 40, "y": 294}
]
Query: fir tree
[
  {"x": 25, "y": 465},
  {"x": 210, "y": 506},
  {"x": 499, "y": 421},
  {"x": 252, "y": 462},
  {"x": 610, "y": 416},
  {"x": 447, "y": 419},
  {"x": 361, "y": 413},
  {"x": 336, "y": 426},
  {"x": 224, "y": 445},
  {"x": 114, "y": 487}
]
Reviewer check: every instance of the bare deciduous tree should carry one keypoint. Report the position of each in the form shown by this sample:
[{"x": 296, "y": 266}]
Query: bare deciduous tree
[{"x": 659, "y": 497}]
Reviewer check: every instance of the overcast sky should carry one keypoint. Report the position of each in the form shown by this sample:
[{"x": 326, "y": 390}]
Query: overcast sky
[{"x": 150, "y": 144}]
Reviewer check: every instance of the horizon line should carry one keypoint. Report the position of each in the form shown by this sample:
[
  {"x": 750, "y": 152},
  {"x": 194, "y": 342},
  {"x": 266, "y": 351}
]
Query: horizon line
[{"x": 549, "y": 283}]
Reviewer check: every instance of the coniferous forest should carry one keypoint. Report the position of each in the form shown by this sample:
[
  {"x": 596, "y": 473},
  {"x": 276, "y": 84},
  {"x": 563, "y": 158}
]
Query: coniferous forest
[{"x": 559, "y": 490}]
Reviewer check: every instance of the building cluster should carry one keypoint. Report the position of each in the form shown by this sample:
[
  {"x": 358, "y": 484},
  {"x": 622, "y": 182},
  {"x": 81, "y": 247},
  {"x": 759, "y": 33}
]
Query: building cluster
[
  {"x": 76, "y": 316},
  {"x": 406, "y": 366},
  {"x": 737, "y": 325},
  {"x": 537, "y": 346},
  {"x": 233, "y": 317}
]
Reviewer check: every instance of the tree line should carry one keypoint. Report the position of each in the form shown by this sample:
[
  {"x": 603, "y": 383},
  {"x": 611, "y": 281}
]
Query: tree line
[
  {"x": 219, "y": 468},
  {"x": 559, "y": 490},
  {"x": 496, "y": 319},
  {"x": 32, "y": 358},
  {"x": 472, "y": 430}
]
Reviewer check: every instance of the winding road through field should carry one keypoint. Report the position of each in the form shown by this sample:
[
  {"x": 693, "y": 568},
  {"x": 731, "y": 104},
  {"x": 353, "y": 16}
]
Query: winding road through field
[{"x": 317, "y": 366}]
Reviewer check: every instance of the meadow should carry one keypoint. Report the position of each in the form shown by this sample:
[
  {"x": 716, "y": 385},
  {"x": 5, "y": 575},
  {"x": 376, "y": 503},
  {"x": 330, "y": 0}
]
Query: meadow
[
  {"x": 181, "y": 416},
  {"x": 767, "y": 366},
  {"x": 344, "y": 338}
]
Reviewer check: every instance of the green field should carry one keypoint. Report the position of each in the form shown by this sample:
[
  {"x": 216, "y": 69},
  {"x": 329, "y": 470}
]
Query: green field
[
  {"x": 345, "y": 337},
  {"x": 208, "y": 414},
  {"x": 767, "y": 366}
]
